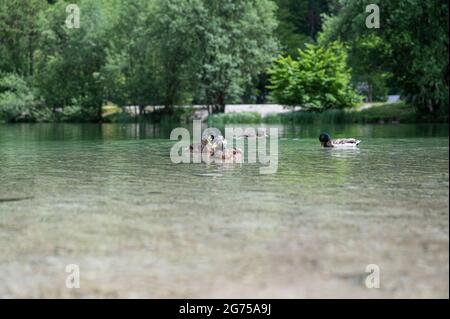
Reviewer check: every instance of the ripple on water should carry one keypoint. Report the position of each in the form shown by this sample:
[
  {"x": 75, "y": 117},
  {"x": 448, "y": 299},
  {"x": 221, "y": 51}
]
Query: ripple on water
[{"x": 113, "y": 195}]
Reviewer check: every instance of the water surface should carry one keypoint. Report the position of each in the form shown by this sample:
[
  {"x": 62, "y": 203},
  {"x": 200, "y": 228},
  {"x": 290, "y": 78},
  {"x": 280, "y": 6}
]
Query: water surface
[{"x": 109, "y": 199}]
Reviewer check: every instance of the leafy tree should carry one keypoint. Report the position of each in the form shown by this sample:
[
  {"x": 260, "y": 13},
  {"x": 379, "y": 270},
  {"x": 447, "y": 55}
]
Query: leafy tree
[
  {"x": 130, "y": 74},
  {"x": 70, "y": 60},
  {"x": 317, "y": 80},
  {"x": 175, "y": 37},
  {"x": 416, "y": 33},
  {"x": 236, "y": 44},
  {"x": 18, "y": 101},
  {"x": 300, "y": 22},
  {"x": 366, "y": 57},
  {"x": 19, "y": 34}
]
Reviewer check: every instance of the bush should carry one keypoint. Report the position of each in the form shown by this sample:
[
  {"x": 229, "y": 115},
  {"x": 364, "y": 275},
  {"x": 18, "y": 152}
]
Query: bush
[
  {"x": 235, "y": 118},
  {"x": 318, "y": 80},
  {"x": 77, "y": 114},
  {"x": 385, "y": 113},
  {"x": 18, "y": 102}
]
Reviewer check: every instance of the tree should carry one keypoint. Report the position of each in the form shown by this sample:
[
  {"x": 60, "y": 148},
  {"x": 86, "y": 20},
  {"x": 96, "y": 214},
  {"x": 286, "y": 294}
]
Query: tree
[
  {"x": 366, "y": 59},
  {"x": 175, "y": 37},
  {"x": 236, "y": 45},
  {"x": 368, "y": 56},
  {"x": 130, "y": 74},
  {"x": 70, "y": 60},
  {"x": 416, "y": 32},
  {"x": 18, "y": 101},
  {"x": 300, "y": 22},
  {"x": 318, "y": 79},
  {"x": 19, "y": 34},
  {"x": 213, "y": 48}
]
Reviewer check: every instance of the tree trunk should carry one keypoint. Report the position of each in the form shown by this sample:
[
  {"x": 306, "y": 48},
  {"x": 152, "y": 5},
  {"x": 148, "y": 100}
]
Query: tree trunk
[
  {"x": 430, "y": 106},
  {"x": 30, "y": 55},
  {"x": 370, "y": 93},
  {"x": 141, "y": 109},
  {"x": 219, "y": 106},
  {"x": 217, "y": 109}
]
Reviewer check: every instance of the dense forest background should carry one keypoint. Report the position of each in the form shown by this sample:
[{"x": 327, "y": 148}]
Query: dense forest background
[{"x": 315, "y": 54}]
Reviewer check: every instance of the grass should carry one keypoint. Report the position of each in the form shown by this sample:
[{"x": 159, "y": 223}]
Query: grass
[
  {"x": 378, "y": 113},
  {"x": 235, "y": 118},
  {"x": 381, "y": 113},
  {"x": 384, "y": 113},
  {"x": 115, "y": 114}
]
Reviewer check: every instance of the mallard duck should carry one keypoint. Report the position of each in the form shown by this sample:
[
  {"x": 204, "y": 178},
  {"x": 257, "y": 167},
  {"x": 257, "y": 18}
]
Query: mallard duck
[
  {"x": 229, "y": 155},
  {"x": 219, "y": 143},
  {"x": 216, "y": 146},
  {"x": 327, "y": 142}
]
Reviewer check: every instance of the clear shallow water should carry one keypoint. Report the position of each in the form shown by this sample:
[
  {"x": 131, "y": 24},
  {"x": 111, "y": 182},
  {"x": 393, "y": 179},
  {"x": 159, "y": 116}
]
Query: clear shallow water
[{"x": 108, "y": 198}]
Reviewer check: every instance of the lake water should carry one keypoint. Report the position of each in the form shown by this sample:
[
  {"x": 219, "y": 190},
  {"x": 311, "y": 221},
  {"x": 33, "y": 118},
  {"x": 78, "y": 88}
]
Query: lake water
[{"x": 108, "y": 199}]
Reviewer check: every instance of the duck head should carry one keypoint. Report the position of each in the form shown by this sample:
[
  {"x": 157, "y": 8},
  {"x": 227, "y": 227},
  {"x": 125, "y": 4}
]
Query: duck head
[{"x": 325, "y": 140}]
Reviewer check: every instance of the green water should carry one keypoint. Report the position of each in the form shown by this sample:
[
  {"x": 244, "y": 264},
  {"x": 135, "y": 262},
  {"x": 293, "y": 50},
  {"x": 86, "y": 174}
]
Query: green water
[{"x": 109, "y": 199}]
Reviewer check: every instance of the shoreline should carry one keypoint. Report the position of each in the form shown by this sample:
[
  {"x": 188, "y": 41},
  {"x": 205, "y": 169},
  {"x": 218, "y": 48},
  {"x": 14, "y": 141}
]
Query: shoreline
[
  {"x": 377, "y": 113},
  {"x": 369, "y": 113}
]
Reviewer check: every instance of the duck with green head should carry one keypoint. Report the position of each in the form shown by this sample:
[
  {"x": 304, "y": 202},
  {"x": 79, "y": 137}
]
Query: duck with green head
[{"x": 327, "y": 142}]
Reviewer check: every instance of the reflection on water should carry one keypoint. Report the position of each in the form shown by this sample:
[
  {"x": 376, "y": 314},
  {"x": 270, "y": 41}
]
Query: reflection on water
[
  {"x": 107, "y": 197},
  {"x": 76, "y": 132}
]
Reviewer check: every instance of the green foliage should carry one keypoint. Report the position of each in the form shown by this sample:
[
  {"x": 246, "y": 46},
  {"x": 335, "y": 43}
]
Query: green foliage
[
  {"x": 19, "y": 34},
  {"x": 236, "y": 44},
  {"x": 119, "y": 117},
  {"x": 139, "y": 52},
  {"x": 368, "y": 56},
  {"x": 77, "y": 114},
  {"x": 300, "y": 22},
  {"x": 70, "y": 60},
  {"x": 176, "y": 115},
  {"x": 318, "y": 80},
  {"x": 384, "y": 113},
  {"x": 369, "y": 71},
  {"x": 18, "y": 102},
  {"x": 175, "y": 35},
  {"x": 130, "y": 74},
  {"x": 416, "y": 35},
  {"x": 235, "y": 118},
  {"x": 176, "y": 51},
  {"x": 308, "y": 117},
  {"x": 173, "y": 52}
]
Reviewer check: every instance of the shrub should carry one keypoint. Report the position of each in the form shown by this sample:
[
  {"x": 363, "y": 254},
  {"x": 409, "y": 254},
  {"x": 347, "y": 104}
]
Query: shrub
[
  {"x": 18, "y": 102},
  {"x": 318, "y": 79},
  {"x": 76, "y": 113},
  {"x": 235, "y": 118}
]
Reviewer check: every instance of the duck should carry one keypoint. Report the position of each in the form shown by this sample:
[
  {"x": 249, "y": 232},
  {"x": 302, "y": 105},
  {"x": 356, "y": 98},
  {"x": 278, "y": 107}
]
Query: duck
[
  {"x": 229, "y": 155},
  {"x": 219, "y": 143},
  {"x": 216, "y": 147},
  {"x": 327, "y": 142}
]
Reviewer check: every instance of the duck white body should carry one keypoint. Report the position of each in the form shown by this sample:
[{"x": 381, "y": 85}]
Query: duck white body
[
  {"x": 327, "y": 142},
  {"x": 346, "y": 143}
]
